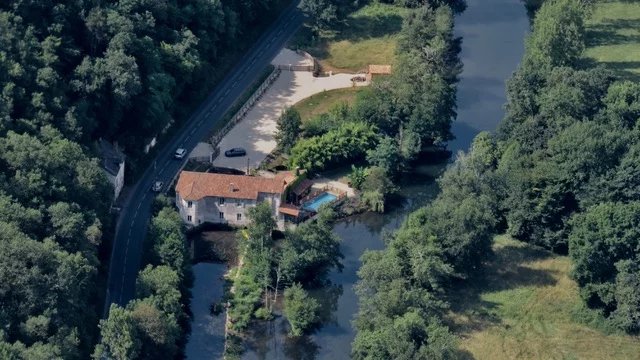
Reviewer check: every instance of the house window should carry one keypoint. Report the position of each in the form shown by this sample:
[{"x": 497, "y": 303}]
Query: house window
[
  {"x": 189, "y": 204},
  {"x": 239, "y": 217},
  {"x": 221, "y": 201},
  {"x": 189, "y": 218},
  {"x": 238, "y": 203},
  {"x": 221, "y": 215}
]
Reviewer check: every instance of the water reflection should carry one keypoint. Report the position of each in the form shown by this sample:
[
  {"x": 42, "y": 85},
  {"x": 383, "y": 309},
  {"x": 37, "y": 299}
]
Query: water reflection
[{"x": 207, "y": 332}]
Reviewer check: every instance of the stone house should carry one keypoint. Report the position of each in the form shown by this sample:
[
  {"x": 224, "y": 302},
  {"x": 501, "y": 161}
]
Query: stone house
[{"x": 225, "y": 199}]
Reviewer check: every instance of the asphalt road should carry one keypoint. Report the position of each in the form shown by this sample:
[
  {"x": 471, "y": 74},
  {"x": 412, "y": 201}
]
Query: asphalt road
[{"x": 135, "y": 215}]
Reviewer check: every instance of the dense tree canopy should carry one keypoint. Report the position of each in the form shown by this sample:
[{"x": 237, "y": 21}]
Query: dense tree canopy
[
  {"x": 152, "y": 325},
  {"x": 70, "y": 73},
  {"x": 567, "y": 162}
]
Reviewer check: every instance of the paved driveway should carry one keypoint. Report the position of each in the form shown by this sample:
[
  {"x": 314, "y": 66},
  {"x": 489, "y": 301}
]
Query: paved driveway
[{"x": 256, "y": 131}]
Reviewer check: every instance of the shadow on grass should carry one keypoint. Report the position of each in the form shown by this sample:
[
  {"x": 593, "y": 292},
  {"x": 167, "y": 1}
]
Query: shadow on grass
[
  {"x": 506, "y": 270},
  {"x": 606, "y": 33},
  {"x": 624, "y": 70},
  {"x": 353, "y": 29}
]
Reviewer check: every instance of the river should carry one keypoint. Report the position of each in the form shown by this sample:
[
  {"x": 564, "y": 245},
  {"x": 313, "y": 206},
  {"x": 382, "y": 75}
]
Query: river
[{"x": 493, "y": 33}]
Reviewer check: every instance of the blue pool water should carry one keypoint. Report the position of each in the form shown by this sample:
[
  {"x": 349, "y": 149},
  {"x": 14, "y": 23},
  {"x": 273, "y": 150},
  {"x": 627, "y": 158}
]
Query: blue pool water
[{"x": 315, "y": 204}]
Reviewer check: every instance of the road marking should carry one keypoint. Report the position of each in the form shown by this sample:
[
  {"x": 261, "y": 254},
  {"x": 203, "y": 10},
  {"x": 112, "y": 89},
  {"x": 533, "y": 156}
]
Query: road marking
[
  {"x": 135, "y": 215},
  {"x": 192, "y": 131},
  {"x": 226, "y": 92},
  {"x": 139, "y": 204},
  {"x": 234, "y": 84},
  {"x": 261, "y": 52},
  {"x": 279, "y": 32},
  {"x": 188, "y": 137},
  {"x": 219, "y": 101}
]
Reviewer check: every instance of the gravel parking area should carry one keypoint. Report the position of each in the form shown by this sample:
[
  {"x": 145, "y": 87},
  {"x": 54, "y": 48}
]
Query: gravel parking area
[{"x": 255, "y": 133}]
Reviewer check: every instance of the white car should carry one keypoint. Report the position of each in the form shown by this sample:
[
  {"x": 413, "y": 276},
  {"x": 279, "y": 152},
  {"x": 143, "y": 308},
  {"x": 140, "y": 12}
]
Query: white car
[
  {"x": 157, "y": 186},
  {"x": 180, "y": 153}
]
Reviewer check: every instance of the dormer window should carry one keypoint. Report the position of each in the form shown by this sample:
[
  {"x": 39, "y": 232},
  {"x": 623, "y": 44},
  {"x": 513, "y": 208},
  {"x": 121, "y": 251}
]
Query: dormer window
[{"x": 221, "y": 201}]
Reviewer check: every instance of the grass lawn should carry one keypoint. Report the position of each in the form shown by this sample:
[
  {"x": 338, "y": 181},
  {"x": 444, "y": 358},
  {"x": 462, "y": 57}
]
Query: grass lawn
[
  {"x": 368, "y": 36},
  {"x": 323, "y": 102},
  {"x": 613, "y": 36},
  {"x": 524, "y": 307}
]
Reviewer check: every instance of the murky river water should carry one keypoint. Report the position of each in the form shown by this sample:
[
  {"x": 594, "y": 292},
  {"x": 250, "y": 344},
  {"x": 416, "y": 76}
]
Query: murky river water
[{"x": 493, "y": 33}]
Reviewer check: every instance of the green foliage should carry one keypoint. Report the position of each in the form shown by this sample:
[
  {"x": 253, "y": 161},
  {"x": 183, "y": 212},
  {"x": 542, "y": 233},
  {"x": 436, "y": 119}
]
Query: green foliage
[
  {"x": 387, "y": 156},
  {"x": 418, "y": 99},
  {"x": 567, "y": 163},
  {"x": 119, "y": 336},
  {"x": 168, "y": 239},
  {"x": 261, "y": 226},
  {"x": 288, "y": 129},
  {"x": 357, "y": 176},
  {"x": 346, "y": 143},
  {"x": 311, "y": 250},
  {"x": 601, "y": 238},
  {"x": 322, "y": 13},
  {"x": 151, "y": 323},
  {"x": 557, "y": 38},
  {"x": 245, "y": 299},
  {"x": 300, "y": 309},
  {"x": 399, "y": 290},
  {"x": 158, "y": 330},
  {"x": 627, "y": 295},
  {"x": 375, "y": 189}
]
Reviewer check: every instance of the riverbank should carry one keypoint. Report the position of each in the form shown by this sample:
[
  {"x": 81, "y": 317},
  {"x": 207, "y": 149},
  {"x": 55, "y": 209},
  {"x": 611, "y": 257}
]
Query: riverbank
[{"x": 487, "y": 62}]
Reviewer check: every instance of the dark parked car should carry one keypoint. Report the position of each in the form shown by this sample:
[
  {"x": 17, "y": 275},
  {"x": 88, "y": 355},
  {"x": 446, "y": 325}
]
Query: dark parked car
[{"x": 235, "y": 152}]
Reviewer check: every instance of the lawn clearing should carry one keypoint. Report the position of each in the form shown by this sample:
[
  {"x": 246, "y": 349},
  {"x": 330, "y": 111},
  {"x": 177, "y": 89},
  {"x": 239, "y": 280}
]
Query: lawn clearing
[
  {"x": 323, "y": 102},
  {"x": 369, "y": 36},
  {"x": 524, "y": 306},
  {"x": 613, "y": 37}
]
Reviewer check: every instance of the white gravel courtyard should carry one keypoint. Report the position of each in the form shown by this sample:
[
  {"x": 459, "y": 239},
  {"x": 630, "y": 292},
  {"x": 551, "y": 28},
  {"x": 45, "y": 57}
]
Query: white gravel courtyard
[{"x": 255, "y": 133}]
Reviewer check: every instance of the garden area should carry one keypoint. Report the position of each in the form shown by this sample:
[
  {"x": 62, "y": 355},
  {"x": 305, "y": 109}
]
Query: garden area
[
  {"x": 367, "y": 36},
  {"x": 323, "y": 102},
  {"x": 613, "y": 37},
  {"x": 527, "y": 306}
]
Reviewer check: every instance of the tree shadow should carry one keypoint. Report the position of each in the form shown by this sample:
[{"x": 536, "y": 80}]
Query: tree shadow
[
  {"x": 300, "y": 348},
  {"x": 606, "y": 33},
  {"x": 506, "y": 270},
  {"x": 356, "y": 29}
]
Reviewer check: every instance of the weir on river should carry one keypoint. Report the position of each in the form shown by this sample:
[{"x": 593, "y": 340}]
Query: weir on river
[{"x": 493, "y": 32}]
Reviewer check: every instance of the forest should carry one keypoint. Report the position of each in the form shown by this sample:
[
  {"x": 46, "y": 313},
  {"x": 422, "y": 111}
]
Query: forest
[
  {"x": 71, "y": 73},
  {"x": 562, "y": 172}
]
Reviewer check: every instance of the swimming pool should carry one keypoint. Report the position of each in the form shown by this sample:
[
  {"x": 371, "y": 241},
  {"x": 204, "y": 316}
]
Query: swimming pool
[{"x": 315, "y": 204}]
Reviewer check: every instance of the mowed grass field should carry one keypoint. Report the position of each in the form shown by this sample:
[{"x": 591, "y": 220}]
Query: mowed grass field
[
  {"x": 525, "y": 306},
  {"x": 323, "y": 102},
  {"x": 369, "y": 36},
  {"x": 613, "y": 37}
]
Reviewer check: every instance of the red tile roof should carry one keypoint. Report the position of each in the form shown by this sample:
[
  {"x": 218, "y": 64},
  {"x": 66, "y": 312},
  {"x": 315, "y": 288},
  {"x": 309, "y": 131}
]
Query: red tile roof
[
  {"x": 197, "y": 185},
  {"x": 289, "y": 210}
]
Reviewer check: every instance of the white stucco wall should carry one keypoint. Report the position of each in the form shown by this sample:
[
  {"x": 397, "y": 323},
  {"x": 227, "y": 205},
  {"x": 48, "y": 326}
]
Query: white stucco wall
[{"x": 208, "y": 210}]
